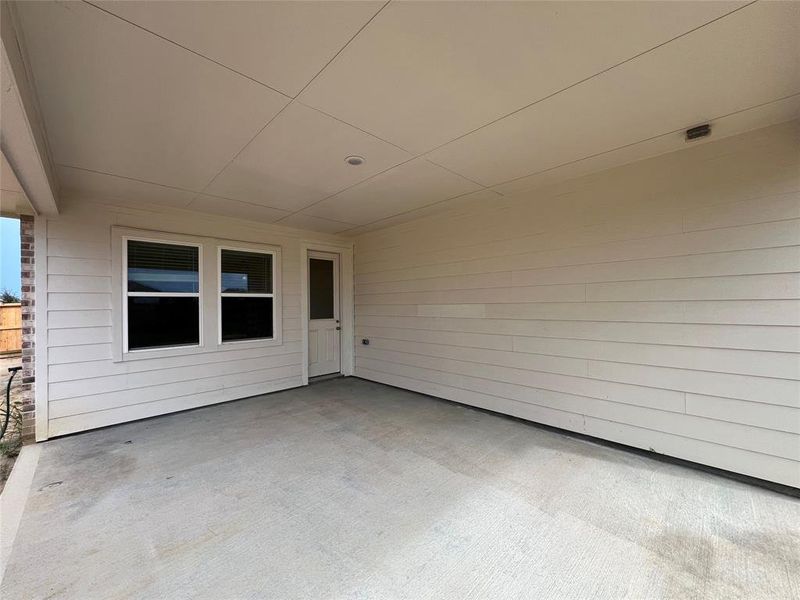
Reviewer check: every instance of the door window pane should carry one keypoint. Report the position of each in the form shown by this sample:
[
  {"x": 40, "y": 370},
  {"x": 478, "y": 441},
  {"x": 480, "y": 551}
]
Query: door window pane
[
  {"x": 154, "y": 267},
  {"x": 246, "y": 272},
  {"x": 245, "y": 318},
  {"x": 320, "y": 286},
  {"x": 155, "y": 321}
]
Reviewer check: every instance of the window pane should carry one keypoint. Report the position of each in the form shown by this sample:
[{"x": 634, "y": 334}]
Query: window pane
[
  {"x": 320, "y": 285},
  {"x": 246, "y": 318},
  {"x": 246, "y": 272},
  {"x": 163, "y": 321},
  {"x": 162, "y": 267}
]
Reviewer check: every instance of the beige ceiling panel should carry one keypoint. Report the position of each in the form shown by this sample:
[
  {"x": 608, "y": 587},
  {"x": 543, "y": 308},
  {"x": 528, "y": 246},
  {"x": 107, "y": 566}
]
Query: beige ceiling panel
[
  {"x": 304, "y": 221},
  {"x": 119, "y": 100},
  {"x": 233, "y": 208},
  {"x": 754, "y": 118},
  {"x": 299, "y": 158},
  {"x": 481, "y": 198},
  {"x": 281, "y": 44},
  {"x": 411, "y": 185},
  {"x": 422, "y": 73},
  {"x": 745, "y": 59},
  {"x": 88, "y": 185}
]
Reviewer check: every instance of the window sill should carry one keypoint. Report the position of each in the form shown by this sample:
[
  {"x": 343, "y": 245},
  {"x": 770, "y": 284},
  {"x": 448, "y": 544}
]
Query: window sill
[
  {"x": 247, "y": 344},
  {"x": 161, "y": 353},
  {"x": 192, "y": 350}
]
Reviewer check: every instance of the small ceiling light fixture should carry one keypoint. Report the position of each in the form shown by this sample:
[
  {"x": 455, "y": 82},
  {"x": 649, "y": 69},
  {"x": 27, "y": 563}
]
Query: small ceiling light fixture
[
  {"x": 701, "y": 131},
  {"x": 354, "y": 160}
]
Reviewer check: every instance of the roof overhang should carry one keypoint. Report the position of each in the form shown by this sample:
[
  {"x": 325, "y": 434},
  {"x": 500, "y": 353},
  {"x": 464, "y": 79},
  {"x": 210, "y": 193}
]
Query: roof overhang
[{"x": 33, "y": 188}]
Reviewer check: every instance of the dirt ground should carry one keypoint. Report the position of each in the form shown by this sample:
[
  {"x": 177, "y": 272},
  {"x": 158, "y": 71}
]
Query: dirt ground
[{"x": 7, "y": 458}]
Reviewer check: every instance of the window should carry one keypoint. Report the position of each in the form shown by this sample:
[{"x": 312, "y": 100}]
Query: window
[
  {"x": 247, "y": 302},
  {"x": 164, "y": 307},
  {"x": 321, "y": 288},
  {"x": 162, "y": 289}
]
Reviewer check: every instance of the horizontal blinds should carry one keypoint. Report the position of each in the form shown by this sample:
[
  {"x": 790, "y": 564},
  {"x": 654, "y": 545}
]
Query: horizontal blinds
[
  {"x": 246, "y": 272},
  {"x": 169, "y": 257},
  {"x": 163, "y": 268}
]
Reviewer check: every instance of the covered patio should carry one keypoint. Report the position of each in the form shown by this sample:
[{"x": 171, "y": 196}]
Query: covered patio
[
  {"x": 545, "y": 257},
  {"x": 354, "y": 489}
]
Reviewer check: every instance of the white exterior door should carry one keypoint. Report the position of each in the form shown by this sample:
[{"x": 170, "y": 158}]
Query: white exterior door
[{"x": 324, "y": 331}]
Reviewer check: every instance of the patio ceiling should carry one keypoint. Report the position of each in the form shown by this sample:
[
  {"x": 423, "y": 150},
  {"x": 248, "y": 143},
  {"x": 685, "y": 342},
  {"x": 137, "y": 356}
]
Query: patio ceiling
[{"x": 249, "y": 109}]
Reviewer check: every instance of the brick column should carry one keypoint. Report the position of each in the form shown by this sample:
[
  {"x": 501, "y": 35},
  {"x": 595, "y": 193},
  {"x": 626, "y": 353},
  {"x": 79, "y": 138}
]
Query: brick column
[{"x": 28, "y": 373}]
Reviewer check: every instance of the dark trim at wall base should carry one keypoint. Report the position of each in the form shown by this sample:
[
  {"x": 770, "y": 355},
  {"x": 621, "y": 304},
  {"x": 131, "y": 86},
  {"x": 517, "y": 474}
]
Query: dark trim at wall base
[
  {"x": 779, "y": 488},
  {"x": 167, "y": 414},
  {"x": 731, "y": 475}
]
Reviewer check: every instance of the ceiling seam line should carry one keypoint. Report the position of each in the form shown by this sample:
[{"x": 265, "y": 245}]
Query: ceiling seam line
[
  {"x": 420, "y": 208},
  {"x": 491, "y": 189},
  {"x": 486, "y": 187},
  {"x": 89, "y": 2},
  {"x": 321, "y": 219},
  {"x": 413, "y": 157},
  {"x": 422, "y": 155},
  {"x": 584, "y": 80},
  {"x": 369, "y": 133},
  {"x": 342, "y": 48},
  {"x": 243, "y": 148},
  {"x": 349, "y": 187},
  {"x": 170, "y": 187},
  {"x": 198, "y": 194},
  {"x": 648, "y": 139},
  {"x": 182, "y": 47}
]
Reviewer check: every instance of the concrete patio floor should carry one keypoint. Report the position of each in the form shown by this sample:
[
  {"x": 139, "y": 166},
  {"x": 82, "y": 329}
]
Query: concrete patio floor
[{"x": 351, "y": 489}]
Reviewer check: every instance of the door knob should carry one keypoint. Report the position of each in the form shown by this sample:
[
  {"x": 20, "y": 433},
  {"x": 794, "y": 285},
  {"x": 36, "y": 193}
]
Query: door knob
[{"x": 338, "y": 329}]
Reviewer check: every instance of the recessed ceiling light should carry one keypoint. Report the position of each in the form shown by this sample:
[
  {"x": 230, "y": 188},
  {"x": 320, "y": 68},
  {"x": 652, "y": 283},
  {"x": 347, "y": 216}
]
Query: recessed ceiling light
[{"x": 354, "y": 160}]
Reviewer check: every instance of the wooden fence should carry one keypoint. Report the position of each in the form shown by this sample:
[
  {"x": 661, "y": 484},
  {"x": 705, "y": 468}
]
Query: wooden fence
[{"x": 10, "y": 328}]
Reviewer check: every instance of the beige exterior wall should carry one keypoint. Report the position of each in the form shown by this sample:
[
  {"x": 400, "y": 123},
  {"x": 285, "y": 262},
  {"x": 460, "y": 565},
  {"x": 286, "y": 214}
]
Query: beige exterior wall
[
  {"x": 656, "y": 304},
  {"x": 86, "y": 387}
]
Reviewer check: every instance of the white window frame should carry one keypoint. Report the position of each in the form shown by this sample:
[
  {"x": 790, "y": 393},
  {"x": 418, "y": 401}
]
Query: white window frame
[
  {"x": 209, "y": 293},
  {"x": 273, "y": 294},
  {"x": 128, "y": 294}
]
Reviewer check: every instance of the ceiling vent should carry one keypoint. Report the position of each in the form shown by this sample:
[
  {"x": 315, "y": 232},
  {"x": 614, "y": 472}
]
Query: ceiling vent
[{"x": 701, "y": 131}]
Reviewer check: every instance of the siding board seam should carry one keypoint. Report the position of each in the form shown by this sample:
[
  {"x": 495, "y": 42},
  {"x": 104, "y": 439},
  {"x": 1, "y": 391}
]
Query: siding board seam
[
  {"x": 514, "y": 255},
  {"x": 586, "y": 376},
  {"x": 156, "y": 385},
  {"x": 584, "y": 415},
  {"x": 604, "y": 360},
  {"x": 364, "y": 332},
  {"x": 360, "y": 265},
  {"x": 280, "y": 380}
]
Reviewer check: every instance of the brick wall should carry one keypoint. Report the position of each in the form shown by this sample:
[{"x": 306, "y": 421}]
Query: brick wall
[{"x": 28, "y": 374}]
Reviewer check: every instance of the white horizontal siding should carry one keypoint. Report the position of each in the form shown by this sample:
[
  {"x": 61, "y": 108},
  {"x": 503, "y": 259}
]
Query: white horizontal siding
[
  {"x": 745, "y": 337},
  {"x": 729, "y": 312},
  {"x": 603, "y": 245},
  {"x": 87, "y": 388},
  {"x": 144, "y": 409},
  {"x": 657, "y": 304}
]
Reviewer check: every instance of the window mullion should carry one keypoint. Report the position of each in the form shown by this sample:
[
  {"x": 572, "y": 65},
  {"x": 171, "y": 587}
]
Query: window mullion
[
  {"x": 245, "y": 295},
  {"x": 163, "y": 294}
]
